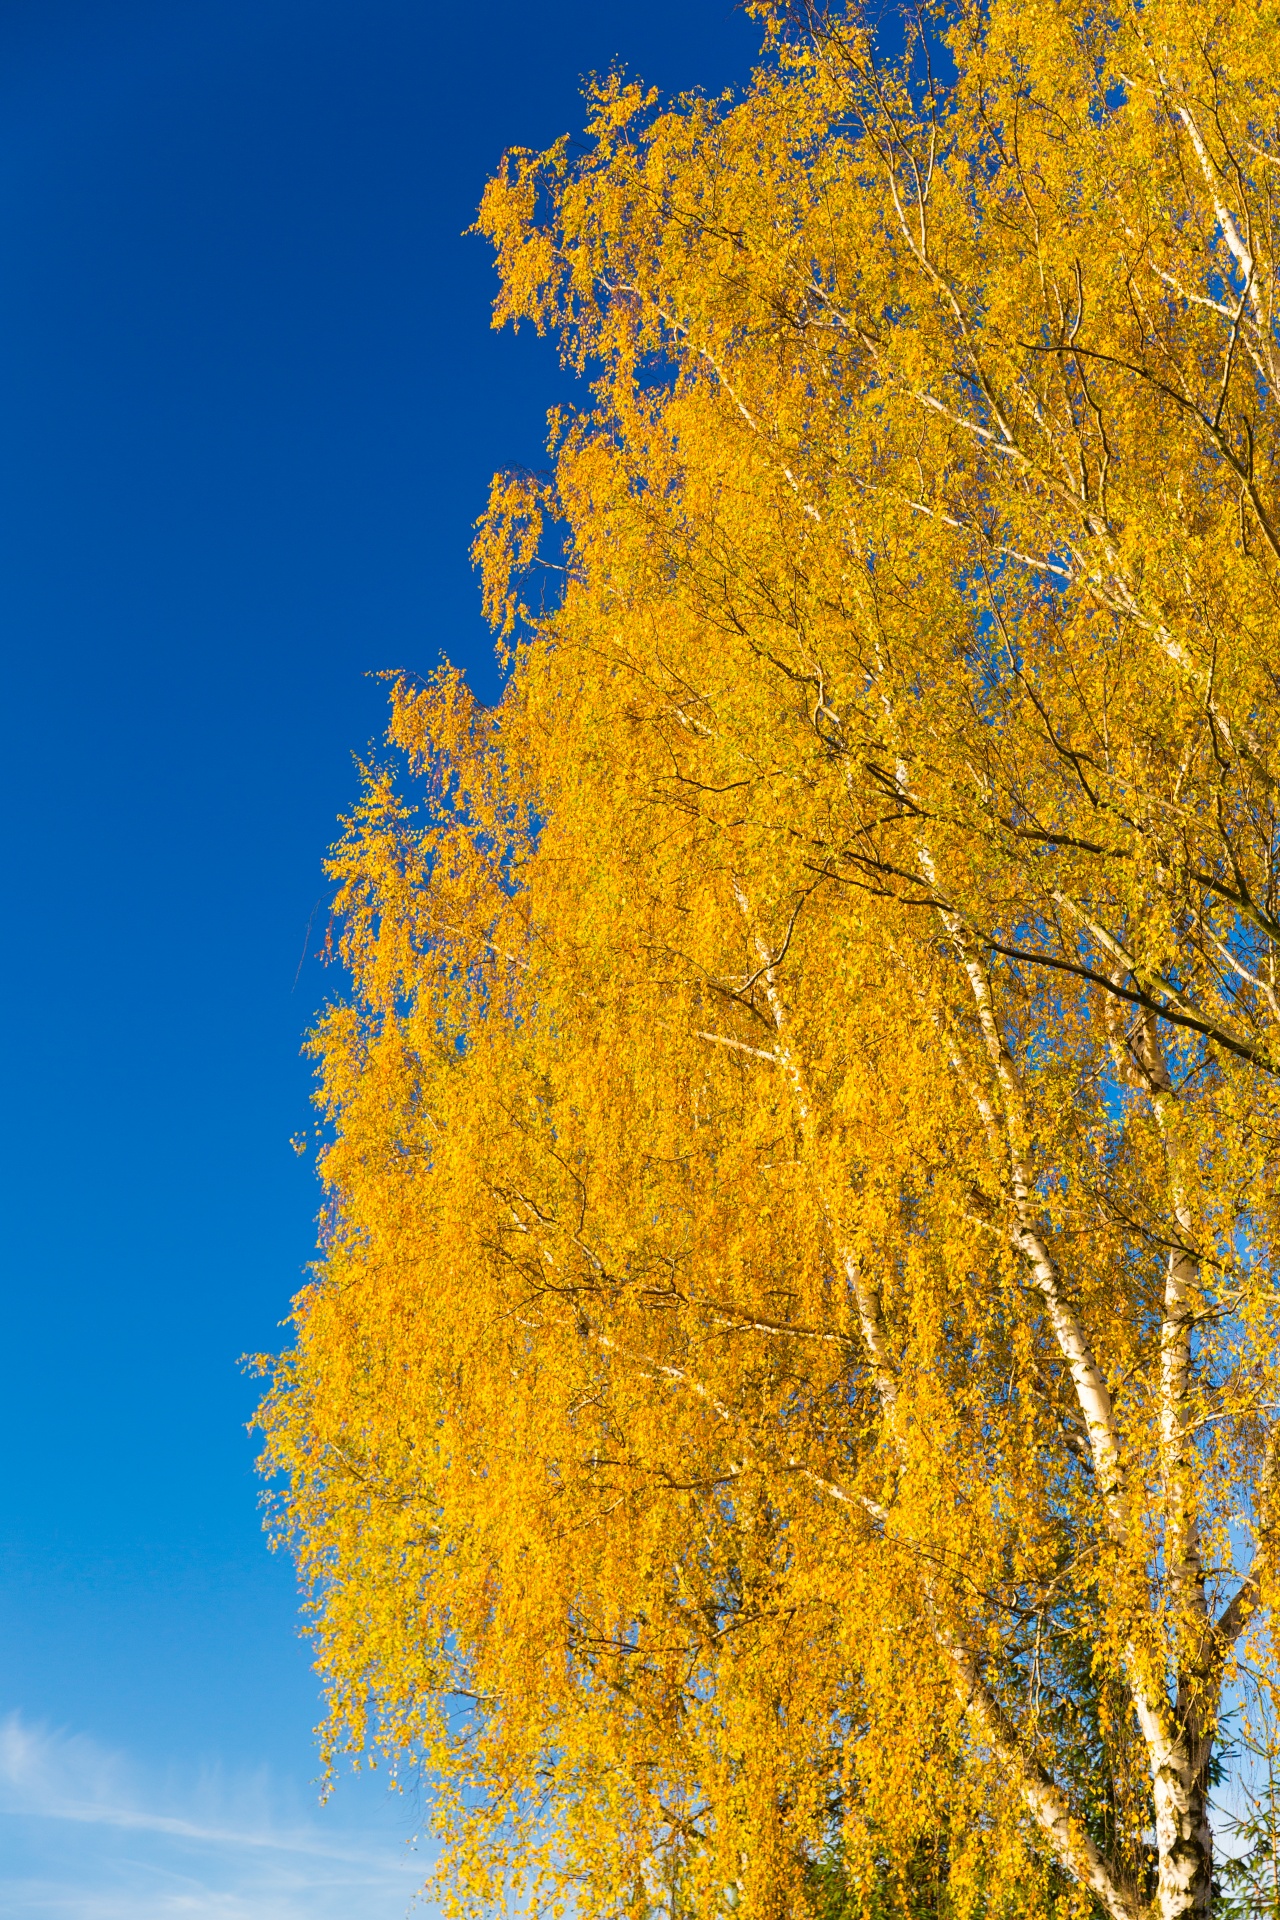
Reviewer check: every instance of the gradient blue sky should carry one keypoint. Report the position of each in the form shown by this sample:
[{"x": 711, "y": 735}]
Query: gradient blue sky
[{"x": 249, "y": 404}]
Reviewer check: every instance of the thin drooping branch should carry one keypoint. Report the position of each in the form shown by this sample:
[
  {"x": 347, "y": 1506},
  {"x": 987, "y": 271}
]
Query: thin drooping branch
[{"x": 1066, "y": 1835}]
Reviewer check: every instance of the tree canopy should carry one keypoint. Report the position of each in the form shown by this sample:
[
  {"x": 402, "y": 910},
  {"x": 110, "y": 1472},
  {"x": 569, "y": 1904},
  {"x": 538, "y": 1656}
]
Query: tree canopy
[{"x": 788, "y": 1397}]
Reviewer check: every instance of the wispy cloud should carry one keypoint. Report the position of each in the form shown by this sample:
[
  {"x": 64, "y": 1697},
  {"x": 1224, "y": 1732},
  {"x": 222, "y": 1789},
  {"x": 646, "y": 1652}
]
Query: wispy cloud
[{"x": 85, "y": 1832}]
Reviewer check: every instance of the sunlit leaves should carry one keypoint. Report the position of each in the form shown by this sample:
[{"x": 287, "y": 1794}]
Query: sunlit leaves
[{"x": 788, "y": 1401}]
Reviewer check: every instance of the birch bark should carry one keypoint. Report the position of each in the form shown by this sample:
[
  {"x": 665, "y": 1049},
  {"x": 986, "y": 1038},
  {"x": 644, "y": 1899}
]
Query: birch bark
[{"x": 1064, "y": 1834}]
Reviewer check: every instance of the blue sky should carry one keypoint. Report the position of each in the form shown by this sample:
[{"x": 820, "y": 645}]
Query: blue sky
[{"x": 249, "y": 404}]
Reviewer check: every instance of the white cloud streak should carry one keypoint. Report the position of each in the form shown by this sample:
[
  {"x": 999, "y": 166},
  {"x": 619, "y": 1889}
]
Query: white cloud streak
[{"x": 86, "y": 1835}]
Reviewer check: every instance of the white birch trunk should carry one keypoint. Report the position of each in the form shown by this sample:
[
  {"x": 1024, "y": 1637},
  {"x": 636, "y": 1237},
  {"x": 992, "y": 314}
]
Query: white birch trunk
[
  {"x": 1065, "y": 1836},
  {"x": 1178, "y": 1735}
]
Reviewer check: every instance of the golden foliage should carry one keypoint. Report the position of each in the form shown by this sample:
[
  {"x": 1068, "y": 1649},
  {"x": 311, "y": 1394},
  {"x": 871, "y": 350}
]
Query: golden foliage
[{"x": 792, "y": 1373}]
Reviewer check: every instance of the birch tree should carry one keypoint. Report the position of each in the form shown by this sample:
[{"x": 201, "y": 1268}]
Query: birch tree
[{"x": 792, "y": 1365}]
